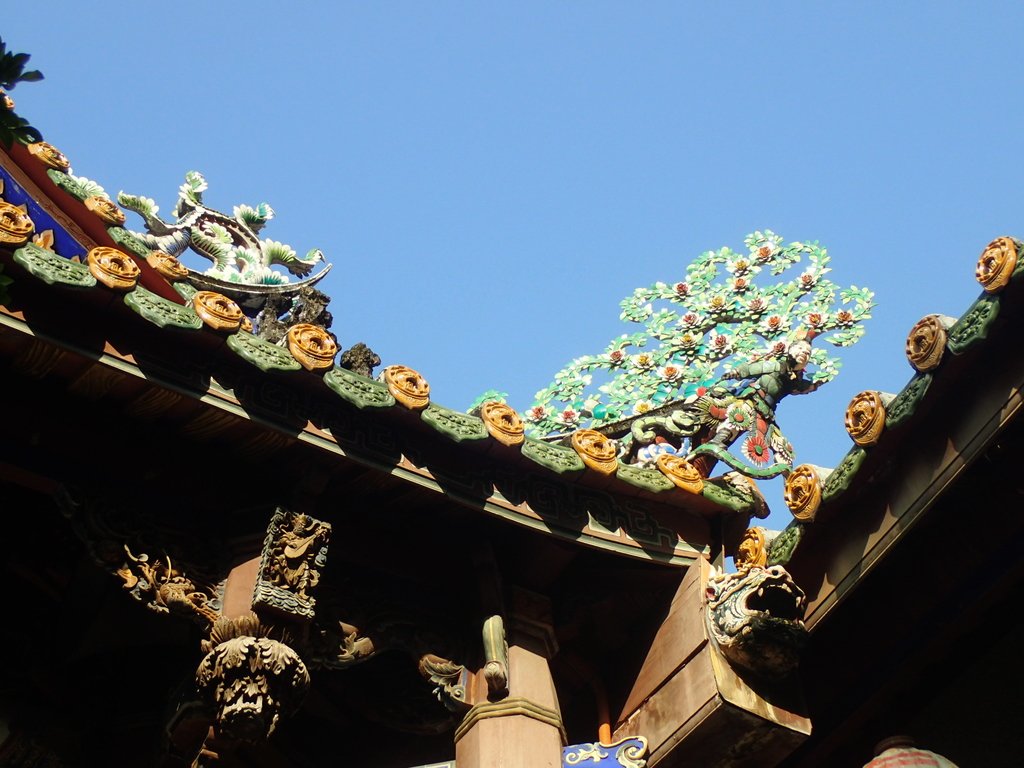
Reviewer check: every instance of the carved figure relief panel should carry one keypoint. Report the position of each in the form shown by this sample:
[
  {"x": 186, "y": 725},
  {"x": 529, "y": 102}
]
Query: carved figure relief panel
[{"x": 294, "y": 552}]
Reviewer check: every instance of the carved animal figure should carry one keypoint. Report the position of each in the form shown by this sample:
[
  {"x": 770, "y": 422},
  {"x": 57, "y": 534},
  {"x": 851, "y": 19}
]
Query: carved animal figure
[
  {"x": 755, "y": 616},
  {"x": 713, "y": 421}
]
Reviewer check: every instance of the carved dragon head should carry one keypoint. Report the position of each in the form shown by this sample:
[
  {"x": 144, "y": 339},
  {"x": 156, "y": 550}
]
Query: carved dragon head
[{"x": 756, "y": 618}]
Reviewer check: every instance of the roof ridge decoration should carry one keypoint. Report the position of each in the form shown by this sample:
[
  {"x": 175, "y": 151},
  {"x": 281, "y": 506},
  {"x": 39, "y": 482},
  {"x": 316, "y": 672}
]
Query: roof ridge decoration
[
  {"x": 715, "y": 327},
  {"x": 232, "y": 243}
]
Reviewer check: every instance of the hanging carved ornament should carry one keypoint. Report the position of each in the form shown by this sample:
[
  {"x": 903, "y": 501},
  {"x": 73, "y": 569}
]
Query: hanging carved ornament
[
  {"x": 681, "y": 472},
  {"x": 167, "y": 266},
  {"x": 503, "y": 423},
  {"x": 114, "y": 268},
  {"x": 312, "y": 346},
  {"x": 293, "y": 553},
  {"x": 105, "y": 210},
  {"x": 252, "y": 680},
  {"x": 49, "y": 155},
  {"x": 15, "y": 224},
  {"x": 865, "y": 417},
  {"x": 407, "y": 387},
  {"x": 753, "y": 550},
  {"x": 996, "y": 264},
  {"x": 449, "y": 679},
  {"x": 217, "y": 311},
  {"x": 803, "y": 490},
  {"x": 926, "y": 342},
  {"x": 596, "y": 450},
  {"x": 755, "y": 617}
]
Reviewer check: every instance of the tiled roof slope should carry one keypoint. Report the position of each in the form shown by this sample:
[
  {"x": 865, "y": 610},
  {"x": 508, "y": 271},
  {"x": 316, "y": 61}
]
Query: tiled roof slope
[{"x": 77, "y": 258}]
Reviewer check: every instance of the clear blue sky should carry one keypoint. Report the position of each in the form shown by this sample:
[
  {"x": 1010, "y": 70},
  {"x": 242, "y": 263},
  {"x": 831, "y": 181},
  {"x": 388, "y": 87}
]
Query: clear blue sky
[{"x": 490, "y": 179}]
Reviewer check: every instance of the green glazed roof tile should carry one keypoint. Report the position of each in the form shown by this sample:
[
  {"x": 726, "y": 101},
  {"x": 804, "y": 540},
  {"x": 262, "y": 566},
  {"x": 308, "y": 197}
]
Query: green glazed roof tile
[
  {"x": 557, "y": 458},
  {"x": 454, "y": 424},
  {"x": 185, "y": 290},
  {"x": 358, "y": 390},
  {"x": 69, "y": 184},
  {"x": 841, "y": 477},
  {"x": 53, "y": 269},
  {"x": 905, "y": 403},
  {"x": 261, "y": 353},
  {"x": 127, "y": 240},
  {"x": 161, "y": 311},
  {"x": 724, "y": 495},
  {"x": 642, "y": 477},
  {"x": 973, "y": 325}
]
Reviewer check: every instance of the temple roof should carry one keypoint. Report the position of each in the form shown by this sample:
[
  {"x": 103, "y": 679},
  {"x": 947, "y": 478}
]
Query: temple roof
[{"x": 79, "y": 273}]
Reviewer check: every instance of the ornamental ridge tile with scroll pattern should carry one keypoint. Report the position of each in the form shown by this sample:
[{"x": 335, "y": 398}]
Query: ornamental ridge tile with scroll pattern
[
  {"x": 261, "y": 353},
  {"x": 51, "y": 268},
  {"x": 974, "y": 325},
  {"x": 906, "y": 402},
  {"x": 557, "y": 458},
  {"x": 358, "y": 390},
  {"x": 160, "y": 311},
  {"x": 458, "y": 426}
]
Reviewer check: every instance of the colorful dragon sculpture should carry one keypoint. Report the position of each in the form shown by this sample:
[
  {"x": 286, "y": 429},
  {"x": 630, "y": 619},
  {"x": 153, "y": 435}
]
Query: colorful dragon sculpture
[{"x": 232, "y": 243}]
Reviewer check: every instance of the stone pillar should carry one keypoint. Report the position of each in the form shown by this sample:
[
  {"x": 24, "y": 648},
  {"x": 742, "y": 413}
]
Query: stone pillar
[{"x": 523, "y": 729}]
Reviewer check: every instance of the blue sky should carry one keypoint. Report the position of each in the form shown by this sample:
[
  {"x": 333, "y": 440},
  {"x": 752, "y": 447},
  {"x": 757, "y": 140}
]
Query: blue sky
[{"x": 490, "y": 180}]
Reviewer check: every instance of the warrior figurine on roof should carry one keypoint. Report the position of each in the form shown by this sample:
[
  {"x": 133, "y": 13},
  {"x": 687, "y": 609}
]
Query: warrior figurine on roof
[
  {"x": 725, "y": 351},
  {"x": 712, "y": 422}
]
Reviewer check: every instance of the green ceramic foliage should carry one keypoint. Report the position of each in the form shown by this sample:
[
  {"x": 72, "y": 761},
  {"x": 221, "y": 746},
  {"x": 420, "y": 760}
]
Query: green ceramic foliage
[
  {"x": 453, "y": 424},
  {"x": 648, "y": 479},
  {"x": 358, "y": 390},
  {"x": 840, "y": 477},
  {"x": 729, "y": 308},
  {"x": 973, "y": 325},
  {"x": 557, "y": 458},
  {"x": 53, "y": 269},
  {"x": 905, "y": 403},
  {"x": 161, "y": 311},
  {"x": 261, "y": 353}
]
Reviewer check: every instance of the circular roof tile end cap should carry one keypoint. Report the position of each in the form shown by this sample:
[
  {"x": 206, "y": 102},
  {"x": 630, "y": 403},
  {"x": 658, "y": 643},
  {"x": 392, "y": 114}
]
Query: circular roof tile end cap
[
  {"x": 996, "y": 264},
  {"x": 926, "y": 342}
]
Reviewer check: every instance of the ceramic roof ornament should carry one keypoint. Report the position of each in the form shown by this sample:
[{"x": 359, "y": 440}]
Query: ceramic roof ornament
[
  {"x": 719, "y": 350},
  {"x": 232, "y": 243}
]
